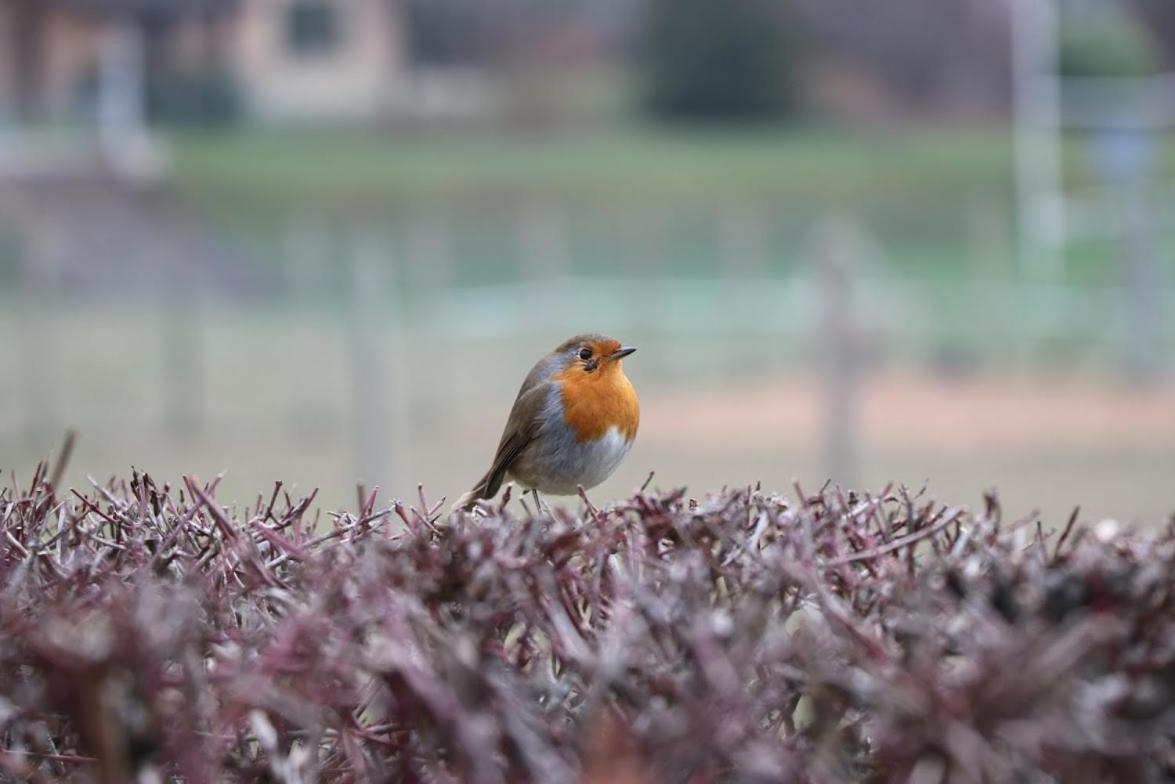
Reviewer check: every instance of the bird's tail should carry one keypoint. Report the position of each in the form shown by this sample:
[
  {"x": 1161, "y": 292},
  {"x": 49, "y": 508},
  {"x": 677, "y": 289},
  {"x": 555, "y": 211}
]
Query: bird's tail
[{"x": 478, "y": 492}]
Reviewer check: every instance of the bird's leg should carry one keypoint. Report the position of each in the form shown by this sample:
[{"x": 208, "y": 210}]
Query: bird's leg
[{"x": 538, "y": 502}]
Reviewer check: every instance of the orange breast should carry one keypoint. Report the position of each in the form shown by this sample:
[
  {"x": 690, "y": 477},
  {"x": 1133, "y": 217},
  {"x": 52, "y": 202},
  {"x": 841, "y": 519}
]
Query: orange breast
[{"x": 594, "y": 402}]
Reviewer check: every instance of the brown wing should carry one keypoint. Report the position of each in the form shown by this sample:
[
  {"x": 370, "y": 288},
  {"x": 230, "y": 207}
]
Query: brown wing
[{"x": 520, "y": 430}]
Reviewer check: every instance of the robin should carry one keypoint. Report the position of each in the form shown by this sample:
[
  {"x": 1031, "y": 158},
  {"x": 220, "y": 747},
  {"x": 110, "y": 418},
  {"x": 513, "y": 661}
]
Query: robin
[{"x": 572, "y": 423}]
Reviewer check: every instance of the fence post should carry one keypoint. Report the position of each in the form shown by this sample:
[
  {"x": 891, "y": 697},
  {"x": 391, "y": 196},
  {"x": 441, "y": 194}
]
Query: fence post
[
  {"x": 989, "y": 250},
  {"x": 742, "y": 240},
  {"x": 307, "y": 251},
  {"x": 642, "y": 234},
  {"x": 1036, "y": 92},
  {"x": 430, "y": 258},
  {"x": 122, "y": 123},
  {"x": 546, "y": 262},
  {"x": 838, "y": 249},
  {"x": 37, "y": 311},
  {"x": 182, "y": 361},
  {"x": 371, "y": 278},
  {"x": 1145, "y": 284}
]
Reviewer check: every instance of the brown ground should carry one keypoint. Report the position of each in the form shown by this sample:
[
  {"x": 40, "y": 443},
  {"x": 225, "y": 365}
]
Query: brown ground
[{"x": 913, "y": 412}]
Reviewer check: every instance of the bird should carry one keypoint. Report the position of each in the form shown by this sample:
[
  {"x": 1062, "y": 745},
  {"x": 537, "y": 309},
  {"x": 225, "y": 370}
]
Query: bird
[{"x": 573, "y": 421}]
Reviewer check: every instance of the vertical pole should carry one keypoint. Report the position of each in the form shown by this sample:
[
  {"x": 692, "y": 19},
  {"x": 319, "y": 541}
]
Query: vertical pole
[
  {"x": 742, "y": 260},
  {"x": 431, "y": 252},
  {"x": 1145, "y": 285},
  {"x": 10, "y": 88},
  {"x": 121, "y": 112},
  {"x": 38, "y": 332},
  {"x": 307, "y": 252},
  {"x": 990, "y": 253},
  {"x": 546, "y": 263},
  {"x": 1126, "y": 156},
  {"x": 642, "y": 237},
  {"x": 430, "y": 255},
  {"x": 182, "y": 365},
  {"x": 371, "y": 370},
  {"x": 1038, "y": 126},
  {"x": 838, "y": 248},
  {"x": 26, "y": 43},
  {"x": 742, "y": 241}
]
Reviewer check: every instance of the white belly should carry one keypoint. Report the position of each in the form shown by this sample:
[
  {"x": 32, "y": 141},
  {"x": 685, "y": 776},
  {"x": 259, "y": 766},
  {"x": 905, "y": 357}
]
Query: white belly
[
  {"x": 600, "y": 458},
  {"x": 565, "y": 465}
]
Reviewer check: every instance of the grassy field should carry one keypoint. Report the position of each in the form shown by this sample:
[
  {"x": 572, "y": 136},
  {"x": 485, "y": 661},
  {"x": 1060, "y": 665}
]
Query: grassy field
[
  {"x": 933, "y": 197},
  {"x": 638, "y": 210},
  {"x": 637, "y": 163},
  {"x": 631, "y": 162},
  {"x": 913, "y": 189}
]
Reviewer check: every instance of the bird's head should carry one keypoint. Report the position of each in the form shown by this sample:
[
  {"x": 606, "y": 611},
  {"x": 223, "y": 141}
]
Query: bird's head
[{"x": 590, "y": 355}]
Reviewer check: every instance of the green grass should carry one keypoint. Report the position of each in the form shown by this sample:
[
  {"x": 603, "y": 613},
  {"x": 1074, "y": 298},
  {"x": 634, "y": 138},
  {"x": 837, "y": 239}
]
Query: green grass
[
  {"x": 911, "y": 188},
  {"x": 375, "y": 170},
  {"x": 645, "y": 163},
  {"x": 915, "y": 189}
]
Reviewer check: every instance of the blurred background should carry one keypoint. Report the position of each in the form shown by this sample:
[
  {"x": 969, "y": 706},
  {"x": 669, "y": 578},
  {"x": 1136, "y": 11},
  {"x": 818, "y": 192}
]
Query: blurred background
[{"x": 322, "y": 241}]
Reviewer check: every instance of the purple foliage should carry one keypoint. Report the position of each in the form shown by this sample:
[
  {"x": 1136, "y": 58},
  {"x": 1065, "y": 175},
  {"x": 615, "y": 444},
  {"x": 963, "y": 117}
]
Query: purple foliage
[{"x": 151, "y": 634}]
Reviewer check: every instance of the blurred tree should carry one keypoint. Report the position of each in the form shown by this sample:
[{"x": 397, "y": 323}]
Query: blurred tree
[
  {"x": 1158, "y": 16},
  {"x": 708, "y": 60},
  {"x": 1111, "y": 42},
  {"x": 920, "y": 57},
  {"x": 489, "y": 32},
  {"x": 23, "y": 53}
]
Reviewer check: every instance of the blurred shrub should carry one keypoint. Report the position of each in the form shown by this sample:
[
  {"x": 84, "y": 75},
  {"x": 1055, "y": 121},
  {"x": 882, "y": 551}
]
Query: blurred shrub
[
  {"x": 898, "y": 49},
  {"x": 148, "y": 634},
  {"x": 210, "y": 98},
  {"x": 1113, "y": 43},
  {"x": 706, "y": 60}
]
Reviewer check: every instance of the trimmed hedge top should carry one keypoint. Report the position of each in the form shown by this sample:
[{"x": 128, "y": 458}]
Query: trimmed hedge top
[{"x": 740, "y": 637}]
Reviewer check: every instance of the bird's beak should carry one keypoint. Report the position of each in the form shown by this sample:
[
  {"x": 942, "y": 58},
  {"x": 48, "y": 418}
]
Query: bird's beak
[{"x": 621, "y": 353}]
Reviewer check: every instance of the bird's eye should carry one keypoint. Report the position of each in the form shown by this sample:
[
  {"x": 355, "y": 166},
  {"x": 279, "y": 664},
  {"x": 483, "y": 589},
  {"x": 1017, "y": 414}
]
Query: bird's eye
[{"x": 585, "y": 354}]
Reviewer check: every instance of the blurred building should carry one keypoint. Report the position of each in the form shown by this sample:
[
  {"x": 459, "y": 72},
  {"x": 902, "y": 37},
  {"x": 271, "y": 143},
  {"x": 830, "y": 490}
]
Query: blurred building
[
  {"x": 193, "y": 59},
  {"x": 322, "y": 58}
]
